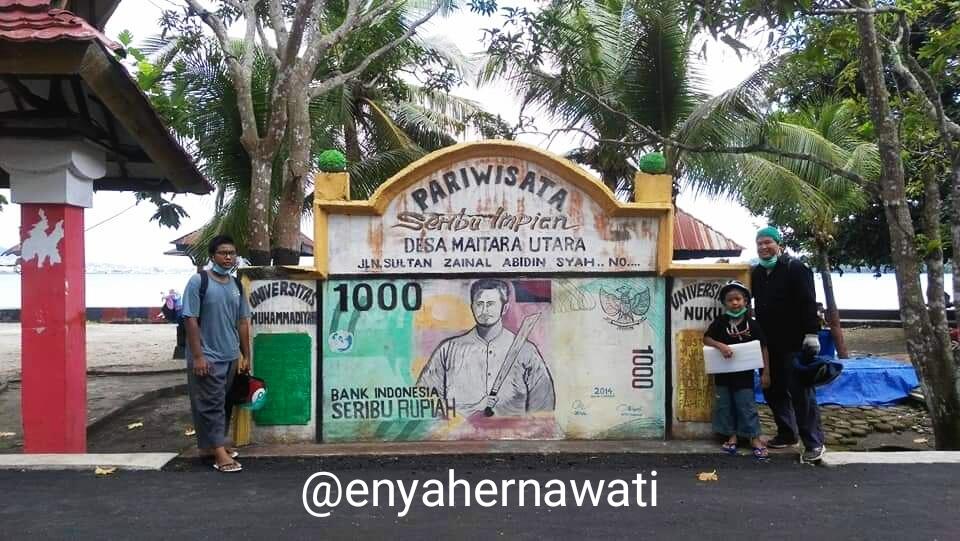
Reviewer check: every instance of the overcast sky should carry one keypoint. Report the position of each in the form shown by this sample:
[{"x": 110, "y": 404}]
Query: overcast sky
[{"x": 119, "y": 234}]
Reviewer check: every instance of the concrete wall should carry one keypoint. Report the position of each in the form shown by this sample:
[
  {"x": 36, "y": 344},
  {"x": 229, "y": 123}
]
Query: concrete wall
[
  {"x": 492, "y": 214},
  {"x": 284, "y": 323},
  {"x": 489, "y": 291},
  {"x": 133, "y": 314}
]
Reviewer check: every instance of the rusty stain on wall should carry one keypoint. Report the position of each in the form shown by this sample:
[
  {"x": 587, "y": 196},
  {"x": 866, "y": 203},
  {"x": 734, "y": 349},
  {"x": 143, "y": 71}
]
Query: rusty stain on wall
[{"x": 375, "y": 239}]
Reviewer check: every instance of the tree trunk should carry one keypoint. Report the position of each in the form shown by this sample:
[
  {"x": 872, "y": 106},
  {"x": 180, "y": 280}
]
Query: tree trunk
[
  {"x": 258, "y": 213},
  {"x": 933, "y": 252},
  {"x": 929, "y": 351},
  {"x": 833, "y": 312},
  {"x": 287, "y": 249},
  {"x": 955, "y": 231},
  {"x": 351, "y": 140}
]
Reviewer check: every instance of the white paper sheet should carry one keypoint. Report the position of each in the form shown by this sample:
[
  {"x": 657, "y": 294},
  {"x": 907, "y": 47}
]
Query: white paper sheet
[{"x": 746, "y": 356}]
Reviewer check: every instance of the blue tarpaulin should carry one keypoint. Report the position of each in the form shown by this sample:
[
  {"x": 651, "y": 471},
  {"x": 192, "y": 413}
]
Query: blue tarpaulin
[{"x": 866, "y": 381}]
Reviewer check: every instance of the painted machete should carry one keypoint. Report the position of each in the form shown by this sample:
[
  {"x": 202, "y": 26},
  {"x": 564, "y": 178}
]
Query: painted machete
[{"x": 525, "y": 329}]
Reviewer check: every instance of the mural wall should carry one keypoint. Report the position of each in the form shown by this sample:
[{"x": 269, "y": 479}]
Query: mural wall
[
  {"x": 493, "y": 214},
  {"x": 693, "y": 306},
  {"x": 493, "y": 358},
  {"x": 284, "y": 328}
]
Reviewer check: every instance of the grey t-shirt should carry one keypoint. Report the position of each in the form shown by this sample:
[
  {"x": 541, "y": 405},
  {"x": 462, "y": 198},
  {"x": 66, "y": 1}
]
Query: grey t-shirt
[{"x": 223, "y": 306}]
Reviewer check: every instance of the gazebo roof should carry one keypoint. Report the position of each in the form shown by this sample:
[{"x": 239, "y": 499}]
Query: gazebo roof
[
  {"x": 693, "y": 239},
  {"x": 60, "y": 78},
  {"x": 182, "y": 244}
]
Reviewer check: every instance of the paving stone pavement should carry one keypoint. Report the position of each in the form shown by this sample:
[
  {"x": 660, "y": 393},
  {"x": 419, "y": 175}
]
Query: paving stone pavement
[{"x": 904, "y": 425}]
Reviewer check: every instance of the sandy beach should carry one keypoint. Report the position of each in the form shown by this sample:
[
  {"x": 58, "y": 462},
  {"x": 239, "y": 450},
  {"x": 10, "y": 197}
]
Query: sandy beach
[{"x": 145, "y": 347}]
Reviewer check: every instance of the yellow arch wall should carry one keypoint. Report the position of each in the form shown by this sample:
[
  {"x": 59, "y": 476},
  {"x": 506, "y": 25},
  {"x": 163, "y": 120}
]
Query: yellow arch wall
[{"x": 653, "y": 197}]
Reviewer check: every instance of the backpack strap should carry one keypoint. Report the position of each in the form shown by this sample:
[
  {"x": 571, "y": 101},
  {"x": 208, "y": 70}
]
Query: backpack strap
[
  {"x": 236, "y": 280},
  {"x": 204, "y": 283}
]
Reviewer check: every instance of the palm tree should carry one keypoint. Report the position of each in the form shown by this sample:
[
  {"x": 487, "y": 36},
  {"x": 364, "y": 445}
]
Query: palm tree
[
  {"x": 610, "y": 59},
  {"x": 805, "y": 197},
  {"x": 620, "y": 72},
  {"x": 382, "y": 123}
]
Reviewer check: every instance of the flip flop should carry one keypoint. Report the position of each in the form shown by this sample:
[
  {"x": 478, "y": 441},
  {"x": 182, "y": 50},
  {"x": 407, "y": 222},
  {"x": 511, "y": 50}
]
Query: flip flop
[
  {"x": 729, "y": 448},
  {"x": 761, "y": 453},
  {"x": 229, "y": 467},
  {"x": 233, "y": 454}
]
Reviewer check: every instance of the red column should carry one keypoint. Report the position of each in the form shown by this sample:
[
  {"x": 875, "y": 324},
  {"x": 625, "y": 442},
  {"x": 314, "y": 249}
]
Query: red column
[{"x": 53, "y": 329}]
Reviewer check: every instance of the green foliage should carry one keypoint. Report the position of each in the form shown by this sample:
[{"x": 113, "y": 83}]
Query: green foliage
[
  {"x": 168, "y": 213},
  {"x": 571, "y": 58},
  {"x": 926, "y": 246},
  {"x": 825, "y": 60},
  {"x": 380, "y": 121},
  {"x": 653, "y": 162},
  {"x": 331, "y": 161}
]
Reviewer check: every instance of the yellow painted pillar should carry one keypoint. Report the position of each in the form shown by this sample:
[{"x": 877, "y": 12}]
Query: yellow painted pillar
[
  {"x": 658, "y": 189},
  {"x": 326, "y": 187}
]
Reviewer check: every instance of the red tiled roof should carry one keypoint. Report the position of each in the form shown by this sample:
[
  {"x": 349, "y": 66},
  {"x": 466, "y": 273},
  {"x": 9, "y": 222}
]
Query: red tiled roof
[
  {"x": 692, "y": 235},
  {"x": 35, "y": 20}
]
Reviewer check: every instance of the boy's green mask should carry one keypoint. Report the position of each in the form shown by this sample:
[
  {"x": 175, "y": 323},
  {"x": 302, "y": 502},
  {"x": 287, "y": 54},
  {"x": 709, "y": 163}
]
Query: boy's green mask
[
  {"x": 736, "y": 313},
  {"x": 769, "y": 263}
]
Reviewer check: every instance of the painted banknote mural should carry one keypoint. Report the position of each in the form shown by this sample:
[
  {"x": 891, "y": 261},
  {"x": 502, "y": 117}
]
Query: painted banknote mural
[{"x": 492, "y": 358}]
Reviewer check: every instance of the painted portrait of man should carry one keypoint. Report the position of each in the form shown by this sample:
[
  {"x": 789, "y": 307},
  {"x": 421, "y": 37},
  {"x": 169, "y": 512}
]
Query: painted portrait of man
[{"x": 490, "y": 360}]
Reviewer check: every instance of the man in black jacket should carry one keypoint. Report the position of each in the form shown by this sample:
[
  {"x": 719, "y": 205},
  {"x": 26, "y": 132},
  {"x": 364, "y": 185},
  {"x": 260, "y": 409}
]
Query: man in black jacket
[{"x": 786, "y": 307}]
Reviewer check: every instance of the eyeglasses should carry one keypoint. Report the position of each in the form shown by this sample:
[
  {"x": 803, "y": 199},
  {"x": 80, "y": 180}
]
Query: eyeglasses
[{"x": 226, "y": 254}]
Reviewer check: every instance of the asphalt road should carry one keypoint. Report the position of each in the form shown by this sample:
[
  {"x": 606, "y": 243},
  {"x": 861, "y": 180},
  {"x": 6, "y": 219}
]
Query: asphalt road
[{"x": 777, "y": 500}]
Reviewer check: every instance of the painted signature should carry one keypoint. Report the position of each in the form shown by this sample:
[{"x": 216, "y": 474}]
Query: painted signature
[
  {"x": 626, "y": 410},
  {"x": 578, "y": 408}
]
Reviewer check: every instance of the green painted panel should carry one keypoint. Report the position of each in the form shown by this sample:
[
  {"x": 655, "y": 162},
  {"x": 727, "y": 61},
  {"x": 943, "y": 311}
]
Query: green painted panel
[{"x": 283, "y": 361}]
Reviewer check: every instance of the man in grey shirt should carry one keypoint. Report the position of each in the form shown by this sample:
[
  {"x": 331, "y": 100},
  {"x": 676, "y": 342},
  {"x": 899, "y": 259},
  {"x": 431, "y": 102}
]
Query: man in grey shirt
[
  {"x": 218, "y": 337},
  {"x": 463, "y": 368}
]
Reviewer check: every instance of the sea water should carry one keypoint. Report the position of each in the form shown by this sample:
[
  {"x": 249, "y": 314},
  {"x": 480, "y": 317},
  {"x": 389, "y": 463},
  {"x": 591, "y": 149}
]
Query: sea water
[
  {"x": 853, "y": 290},
  {"x": 110, "y": 289}
]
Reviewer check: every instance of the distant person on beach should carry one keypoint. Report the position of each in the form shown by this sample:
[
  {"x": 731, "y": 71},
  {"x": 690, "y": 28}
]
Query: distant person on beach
[
  {"x": 786, "y": 307},
  {"x": 217, "y": 320},
  {"x": 172, "y": 308}
]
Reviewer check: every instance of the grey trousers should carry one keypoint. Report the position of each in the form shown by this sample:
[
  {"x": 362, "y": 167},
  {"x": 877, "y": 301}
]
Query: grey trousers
[
  {"x": 208, "y": 403},
  {"x": 794, "y": 407}
]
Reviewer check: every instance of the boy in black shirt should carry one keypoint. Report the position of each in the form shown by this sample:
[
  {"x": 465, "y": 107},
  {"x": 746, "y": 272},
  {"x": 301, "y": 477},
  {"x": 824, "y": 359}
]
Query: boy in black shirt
[{"x": 734, "y": 405}]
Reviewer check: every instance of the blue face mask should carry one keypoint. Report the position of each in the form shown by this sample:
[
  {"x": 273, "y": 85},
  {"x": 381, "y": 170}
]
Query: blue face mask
[{"x": 222, "y": 271}]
